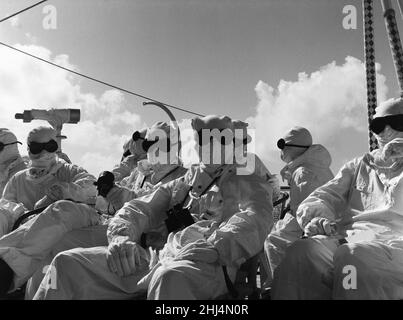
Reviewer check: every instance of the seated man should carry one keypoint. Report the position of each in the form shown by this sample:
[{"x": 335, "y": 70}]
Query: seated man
[
  {"x": 307, "y": 168},
  {"x": 233, "y": 217},
  {"x": 10, "y": 163},
  {"x": 10, "y": 158},
  {"x": 133, "y": 153},
  {"x": 141, "y": 181},
  {"x": 150, "y": 172},
  {"x": 46, "y": 180},
  {"x": 363, "y": 206}
]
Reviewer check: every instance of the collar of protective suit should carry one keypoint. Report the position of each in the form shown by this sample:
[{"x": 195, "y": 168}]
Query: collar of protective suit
[
  {"x": 388, "y": 162},
  {"x": 315, "y": 156},
  {"x": 39, "y": 175}
]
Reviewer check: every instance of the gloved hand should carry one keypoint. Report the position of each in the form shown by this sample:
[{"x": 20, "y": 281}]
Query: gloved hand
[
  {"x": 55, "y": 192},
  {"x": 123, "y": 256},
  {"x": 114, "y": 197},
  {"x": 199, "y": 250},
  {"x": 320, "y": 226}
]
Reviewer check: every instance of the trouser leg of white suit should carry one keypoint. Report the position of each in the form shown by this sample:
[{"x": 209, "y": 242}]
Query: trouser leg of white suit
[
  {"x": 286, "y": 232},
  {"x": 187, "y": 280},
  {"x": 25, "y": 248},
  {"x": 306, "y": 270},
  {"x": 368, "y": 270},
  {"x": 81, "y": 238},
  {"x": 84, "y": 274}
]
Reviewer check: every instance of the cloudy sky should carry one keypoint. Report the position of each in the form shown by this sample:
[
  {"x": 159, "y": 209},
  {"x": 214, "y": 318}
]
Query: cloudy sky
[{"x": 275, "y": 63}]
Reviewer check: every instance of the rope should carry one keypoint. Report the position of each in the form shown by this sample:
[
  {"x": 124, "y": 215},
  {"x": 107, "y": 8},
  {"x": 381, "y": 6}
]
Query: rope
[
  {"x": 369, "y": 49},
  {"x": 99, "y": 81},
  {"x": 394, "y": 41},
  {"x": 14, "y": 14}
]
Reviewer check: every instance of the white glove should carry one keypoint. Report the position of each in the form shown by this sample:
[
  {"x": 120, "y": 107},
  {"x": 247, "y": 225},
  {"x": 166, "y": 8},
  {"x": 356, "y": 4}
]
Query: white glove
[
  {"x": 123, "y": 256},
  {"x": 320, "y": 226}
]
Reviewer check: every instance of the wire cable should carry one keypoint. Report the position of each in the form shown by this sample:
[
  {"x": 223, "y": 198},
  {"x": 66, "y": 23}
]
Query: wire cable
[
  {"x": 99, "y": 81},
  {"x": 14, "y": 14}
]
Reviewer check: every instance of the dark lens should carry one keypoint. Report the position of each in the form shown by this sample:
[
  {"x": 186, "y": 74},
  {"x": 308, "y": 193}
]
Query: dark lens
[
  {"x": 147, "y": 144},
  {"x": 136, "y": 136},
  {"x": 51, "y": 146},
  {"x": 377, "y": 125},
  {"x": 1, "y": 146},
  {"x": 396, "y": 122},
  {"x": 281, "y": 144},
  {"x": 35, "y": 147}
]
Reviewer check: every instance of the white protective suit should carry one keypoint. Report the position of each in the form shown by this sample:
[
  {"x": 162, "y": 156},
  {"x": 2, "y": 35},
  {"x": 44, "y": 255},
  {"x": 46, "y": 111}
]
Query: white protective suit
[
  {"x": 142, "y": 180},
  {"x": 129, "y": 163},
  {"x": 365, "y": 200},
  {"x": 10, "y": 163},
  {"x": 246, "y": 211},
  {"x": 24, "y": 249},
  {"x": 305, "y": 173},
  {"x": 9, "y": 170}
]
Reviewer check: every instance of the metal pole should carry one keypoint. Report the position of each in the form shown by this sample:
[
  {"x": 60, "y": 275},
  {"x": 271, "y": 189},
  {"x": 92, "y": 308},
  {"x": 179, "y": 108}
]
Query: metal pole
[
  {"x": 394, "y": 40},
  {"x": 369, "y": 48},
  {"x": 400, "y": 3}
]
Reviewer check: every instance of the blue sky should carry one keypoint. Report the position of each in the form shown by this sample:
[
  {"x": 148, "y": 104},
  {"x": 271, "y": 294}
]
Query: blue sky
[{"x": 210, "y": 56}]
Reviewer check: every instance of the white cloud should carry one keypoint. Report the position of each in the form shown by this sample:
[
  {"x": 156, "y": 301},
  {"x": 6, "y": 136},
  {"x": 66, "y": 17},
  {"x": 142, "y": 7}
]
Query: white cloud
[
  {"x": 330, "y": 102},
  {"x": 106, "y": 121}
]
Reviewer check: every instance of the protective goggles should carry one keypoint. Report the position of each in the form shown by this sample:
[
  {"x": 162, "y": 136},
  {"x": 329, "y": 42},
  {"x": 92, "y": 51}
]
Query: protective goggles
[
  {"x": 223, "y": 140},
  {"x": 37, "y": 147},
  {"x": 377, "y": 125},
  {"x": 281, "y": 144},
  {"x": 146, "y": 144},
  {"x": 2, "y": 145}
]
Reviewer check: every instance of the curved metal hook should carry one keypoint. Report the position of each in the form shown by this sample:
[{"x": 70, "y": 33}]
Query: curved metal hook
[
  {"x": 163, "y": 107},
  {"x": 171, "y": 116}
]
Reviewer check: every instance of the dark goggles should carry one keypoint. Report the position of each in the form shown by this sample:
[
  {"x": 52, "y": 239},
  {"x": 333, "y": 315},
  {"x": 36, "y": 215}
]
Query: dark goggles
[
  {"x": 146, "y": 144},
  {"x": 281, "y": 144},
  {"x": 37, "y": 147},
  {"x": 377, "y": 125},
  {"x": 2, "y": 145}
]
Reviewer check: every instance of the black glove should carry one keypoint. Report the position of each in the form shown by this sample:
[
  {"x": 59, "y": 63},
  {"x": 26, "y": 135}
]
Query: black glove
[{"x": 105, "y": 183}]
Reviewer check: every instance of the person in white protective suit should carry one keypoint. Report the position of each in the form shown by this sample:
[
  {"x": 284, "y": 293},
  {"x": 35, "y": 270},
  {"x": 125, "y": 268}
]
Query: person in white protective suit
[
  {"x": 10, "y": 159},
  {"x": 307, "y": 168},
  {"x": 354, "y": 226},
  {"x": 10, "y": 163},
  {"x": 230, "y": 218},
  {"x": 45, "y": 183},
  {"x": 149, "y": 174},
  {"x": 133, "y": 153}
]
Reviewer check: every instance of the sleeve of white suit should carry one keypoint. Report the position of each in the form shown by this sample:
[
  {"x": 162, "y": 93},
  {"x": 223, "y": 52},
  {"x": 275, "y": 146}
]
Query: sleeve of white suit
[
  {"x": 9, "y": 213},
  {"x": 138, "y": 215},
  {"x": 329, "y": 200},
  {"x": 302, "y": 184},
  {"x": 76, "y": 183},
  {"x": 124, "y": 168},
  {"x": 10, "y": 191},
  {"x": 243, "y": 235}
]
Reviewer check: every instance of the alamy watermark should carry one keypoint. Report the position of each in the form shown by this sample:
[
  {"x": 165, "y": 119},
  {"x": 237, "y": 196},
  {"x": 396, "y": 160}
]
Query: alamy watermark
[
  {"x": 350, "y": 278},
  {"x": 213, "y": 146},
  {"x": 350, "y": 19}
]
